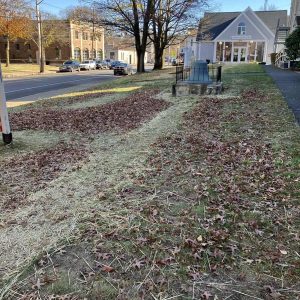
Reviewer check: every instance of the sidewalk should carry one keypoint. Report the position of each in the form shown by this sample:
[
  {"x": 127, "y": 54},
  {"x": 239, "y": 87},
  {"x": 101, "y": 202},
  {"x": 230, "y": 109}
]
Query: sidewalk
[{"x": 289, "y": 84}]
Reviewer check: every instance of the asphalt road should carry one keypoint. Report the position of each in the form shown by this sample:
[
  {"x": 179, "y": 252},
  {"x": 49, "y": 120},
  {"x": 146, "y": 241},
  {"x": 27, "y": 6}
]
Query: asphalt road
[{"x": 39, "y": 87}]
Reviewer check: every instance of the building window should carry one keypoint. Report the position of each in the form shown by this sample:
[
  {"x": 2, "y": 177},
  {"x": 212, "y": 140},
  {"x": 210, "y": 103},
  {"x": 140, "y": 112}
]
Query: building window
[
  {"x": 17, "y": 46},
  {"x": 100, "y": 54},
  {"x": 241, "y": 29},
  {"x": 28, "y": 46},
  {"x": 76, "y": 35},
  {"x": 57, "y": 53},
  {"x": 86, "y": 54},
  {"x": 85, "y": 36},
  {"x": 77, "y": 53}
]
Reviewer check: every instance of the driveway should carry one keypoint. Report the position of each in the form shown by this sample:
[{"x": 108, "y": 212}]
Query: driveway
[
  {"x": 39, "y": 87},
  {"x": 289, "y": 84}
]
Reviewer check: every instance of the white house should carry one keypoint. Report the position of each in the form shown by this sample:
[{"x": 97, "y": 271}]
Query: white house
[
  {"x": 294, "y": 14},
  {"x": 237, "y": 37}
]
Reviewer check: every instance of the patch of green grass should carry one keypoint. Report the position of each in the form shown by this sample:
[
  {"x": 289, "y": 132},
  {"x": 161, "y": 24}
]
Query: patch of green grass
[{"x": 25, "y": 69}]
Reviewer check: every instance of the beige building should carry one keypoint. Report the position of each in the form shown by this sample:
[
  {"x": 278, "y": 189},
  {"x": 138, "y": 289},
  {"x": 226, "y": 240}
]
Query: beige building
[
  {"x": 79, "y": 41},
  {"x": 122, "y": 48}
]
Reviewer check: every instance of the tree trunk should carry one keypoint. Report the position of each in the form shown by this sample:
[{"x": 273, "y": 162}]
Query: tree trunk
[
  {"x": 7, "y": 53},
  {"x": 141, "y": 61},
  {"x": 158, "y": 59}
]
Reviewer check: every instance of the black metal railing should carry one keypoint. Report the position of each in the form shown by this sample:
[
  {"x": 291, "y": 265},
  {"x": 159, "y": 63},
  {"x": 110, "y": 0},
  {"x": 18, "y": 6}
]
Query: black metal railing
[{"x": 214, "y": 73}]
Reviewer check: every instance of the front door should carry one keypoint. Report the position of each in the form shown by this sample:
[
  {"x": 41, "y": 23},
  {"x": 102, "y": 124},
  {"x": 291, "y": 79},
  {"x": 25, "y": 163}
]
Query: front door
[{"x": 239, "y": 54}]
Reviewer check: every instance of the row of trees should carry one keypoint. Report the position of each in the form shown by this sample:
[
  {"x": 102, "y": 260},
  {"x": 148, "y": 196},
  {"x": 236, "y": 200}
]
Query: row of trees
[{"x": 161, "y": 22}]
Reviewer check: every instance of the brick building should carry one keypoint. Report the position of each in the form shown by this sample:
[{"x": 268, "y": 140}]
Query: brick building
[{"x": 74, "y": 40}]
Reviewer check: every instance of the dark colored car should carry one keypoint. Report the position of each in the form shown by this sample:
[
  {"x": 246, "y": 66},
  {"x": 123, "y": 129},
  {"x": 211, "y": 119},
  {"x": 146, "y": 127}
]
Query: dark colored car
[
  {"x": 115, "y": 63},
  {"x": 70, "y": 66},
  {"x": 123, "y": 69}
]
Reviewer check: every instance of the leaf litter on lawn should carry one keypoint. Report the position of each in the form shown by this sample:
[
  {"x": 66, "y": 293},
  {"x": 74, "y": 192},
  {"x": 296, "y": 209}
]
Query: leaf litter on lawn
[
  {"x": 31, "y": 172},
  {"x": 213, "y": 214},
  {"x": 123, "y": 115}
]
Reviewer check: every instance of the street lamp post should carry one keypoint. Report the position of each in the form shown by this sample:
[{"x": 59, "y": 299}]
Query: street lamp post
[{"x": 4, "y": 121}]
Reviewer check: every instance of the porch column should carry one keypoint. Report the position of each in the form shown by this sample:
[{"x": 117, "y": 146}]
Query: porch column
[
  {"x": 215, "y": 52},
  {"x": 232, "y": 51},
  {"x": 265, "y": 51},
  {"x": 223, "y": 51}
]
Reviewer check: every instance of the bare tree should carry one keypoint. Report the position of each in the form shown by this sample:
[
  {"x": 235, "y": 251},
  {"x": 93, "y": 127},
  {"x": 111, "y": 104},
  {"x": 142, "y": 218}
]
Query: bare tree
[
  {"x": 268, "y": 7},
  {"x": 170, "y": 21},
  {"x": 51, "y": 31},
  {"x": 130, "y": 16},
  {"x": 86, "y": 17}
]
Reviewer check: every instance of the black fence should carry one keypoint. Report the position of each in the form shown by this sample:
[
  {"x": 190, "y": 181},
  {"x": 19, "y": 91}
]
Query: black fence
[{"x": 214, "y": 73}]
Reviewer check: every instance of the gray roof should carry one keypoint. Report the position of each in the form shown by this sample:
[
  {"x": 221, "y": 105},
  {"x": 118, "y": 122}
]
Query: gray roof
[{"x": 213, "y": 23}]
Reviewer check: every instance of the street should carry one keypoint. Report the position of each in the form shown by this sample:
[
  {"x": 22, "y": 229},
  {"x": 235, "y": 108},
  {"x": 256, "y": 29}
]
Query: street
[{"x": 39, "y": 87}]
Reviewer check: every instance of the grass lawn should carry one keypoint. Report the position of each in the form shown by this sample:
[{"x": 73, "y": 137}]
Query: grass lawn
[
  {"x": 23, "y": 69},
  {"x": 126, "y": 192}
]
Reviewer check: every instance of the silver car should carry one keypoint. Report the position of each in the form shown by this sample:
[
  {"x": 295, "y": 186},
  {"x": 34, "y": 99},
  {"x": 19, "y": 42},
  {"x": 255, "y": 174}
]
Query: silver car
[{"x": 88, "y": 65}]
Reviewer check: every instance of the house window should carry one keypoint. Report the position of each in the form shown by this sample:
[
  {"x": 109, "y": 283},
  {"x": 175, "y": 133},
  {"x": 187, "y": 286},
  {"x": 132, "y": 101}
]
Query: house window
[
  {"x": 77, "y": 53},
  {"x": 241, "y": 28},
  {"x": 28, "y": 46},
  {"x": 76, "y": 35},
  {"x": 17, "y": 46}
]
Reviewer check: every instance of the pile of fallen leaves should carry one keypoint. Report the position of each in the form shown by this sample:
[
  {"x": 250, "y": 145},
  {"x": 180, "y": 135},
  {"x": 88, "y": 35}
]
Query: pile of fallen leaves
[
  {"x": 122, "y": 115},
  {"x": 31, "y": 172}
]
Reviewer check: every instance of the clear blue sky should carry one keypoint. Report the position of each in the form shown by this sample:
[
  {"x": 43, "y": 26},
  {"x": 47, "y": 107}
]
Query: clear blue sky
[
  {"x": 240, "y": 5},
  {"x": 55, "y": 6}
]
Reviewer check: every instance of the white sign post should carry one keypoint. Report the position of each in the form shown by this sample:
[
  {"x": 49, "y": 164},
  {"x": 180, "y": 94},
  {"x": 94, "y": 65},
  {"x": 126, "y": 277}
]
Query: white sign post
[{"x": 4, "y": 124}]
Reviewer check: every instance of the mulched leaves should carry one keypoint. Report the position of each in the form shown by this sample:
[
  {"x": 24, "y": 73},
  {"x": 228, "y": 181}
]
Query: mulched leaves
[
  {"x": 120, "y": 116},
  {"x": 31, "y": 172}
]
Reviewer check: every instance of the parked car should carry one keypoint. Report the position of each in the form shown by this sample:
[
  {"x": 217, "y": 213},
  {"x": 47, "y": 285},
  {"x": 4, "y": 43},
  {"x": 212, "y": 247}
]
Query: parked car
[
  {"x": 99, "y": 64},
  {"x": 123, "y": 69},
  {"x": 108, "y": 62},
  {"x": 115, "y": 63},
  {"x": 88, "y": 65},
  {"x": 70, "y": 66}
]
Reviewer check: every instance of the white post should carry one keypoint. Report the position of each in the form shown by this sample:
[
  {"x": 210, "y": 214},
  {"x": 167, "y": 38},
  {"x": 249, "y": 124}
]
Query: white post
[{"x": 4, "y": 124}]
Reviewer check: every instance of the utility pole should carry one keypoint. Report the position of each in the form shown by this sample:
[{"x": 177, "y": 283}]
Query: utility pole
[
  {"x": 4, "y": 121},
  {"x": 40, "y": 35},
  {"x": 93, "y": 32}
]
